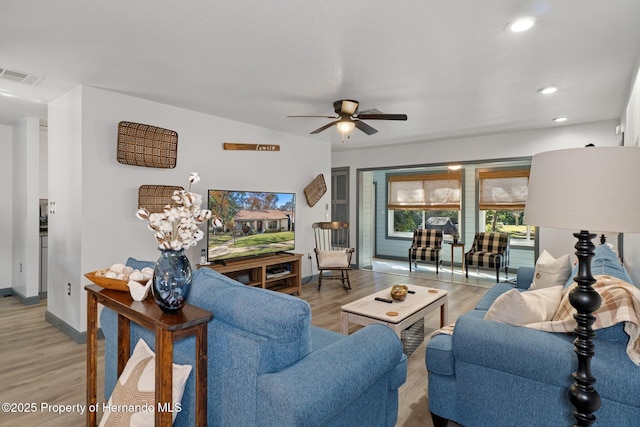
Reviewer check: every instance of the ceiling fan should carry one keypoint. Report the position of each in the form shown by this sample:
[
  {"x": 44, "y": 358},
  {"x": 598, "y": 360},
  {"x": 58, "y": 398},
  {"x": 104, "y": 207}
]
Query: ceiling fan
[{"x": 348, "y": 118}]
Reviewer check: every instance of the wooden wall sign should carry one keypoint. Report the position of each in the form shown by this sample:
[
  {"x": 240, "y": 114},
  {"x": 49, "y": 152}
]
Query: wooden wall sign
[{"x": 251, "y": 147}]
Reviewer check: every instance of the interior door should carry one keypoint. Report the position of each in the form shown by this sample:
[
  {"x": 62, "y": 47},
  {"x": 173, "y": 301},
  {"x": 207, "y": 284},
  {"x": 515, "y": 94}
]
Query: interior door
[{"x": 340, "y": 194}]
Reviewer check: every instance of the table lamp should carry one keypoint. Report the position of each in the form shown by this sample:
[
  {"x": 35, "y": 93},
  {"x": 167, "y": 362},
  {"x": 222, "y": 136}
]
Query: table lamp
[{"x": 589, "y": 188}]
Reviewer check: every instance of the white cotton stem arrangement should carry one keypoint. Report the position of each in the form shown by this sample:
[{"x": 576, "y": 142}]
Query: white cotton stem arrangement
[{"x": 177, "y": 226}]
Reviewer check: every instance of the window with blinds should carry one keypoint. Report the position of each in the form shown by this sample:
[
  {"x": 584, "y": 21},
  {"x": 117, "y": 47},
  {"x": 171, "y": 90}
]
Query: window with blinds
[
  {"x": 424, "y": 192},
  {"x": 503, "y": 190}
]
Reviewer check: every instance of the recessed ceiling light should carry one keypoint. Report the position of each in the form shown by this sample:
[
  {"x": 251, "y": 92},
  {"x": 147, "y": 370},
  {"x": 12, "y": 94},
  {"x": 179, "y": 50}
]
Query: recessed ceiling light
[
  {"x": 548, "y": 90},
  {"x": 520, "y": 25},
  {"x": 560, "y": 119}
]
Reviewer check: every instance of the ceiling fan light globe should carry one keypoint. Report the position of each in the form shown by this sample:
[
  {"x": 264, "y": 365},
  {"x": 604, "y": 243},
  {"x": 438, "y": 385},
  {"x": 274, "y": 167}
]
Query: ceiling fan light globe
[{"x": 345, "y": 126}]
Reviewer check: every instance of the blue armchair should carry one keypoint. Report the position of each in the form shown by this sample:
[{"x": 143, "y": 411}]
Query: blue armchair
[{"x": 269, "y": 367}]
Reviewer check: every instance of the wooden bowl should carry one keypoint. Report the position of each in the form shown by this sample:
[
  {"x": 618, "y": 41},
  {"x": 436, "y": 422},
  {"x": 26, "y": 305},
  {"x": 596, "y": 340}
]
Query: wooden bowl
[{"x": 108, "y": 283}]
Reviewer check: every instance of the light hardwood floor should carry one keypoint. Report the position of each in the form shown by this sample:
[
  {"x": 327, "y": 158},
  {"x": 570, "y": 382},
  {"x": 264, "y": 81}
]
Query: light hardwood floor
[
  {"x": 413, "y": 408},
  {"x": 41, "y": 365}
]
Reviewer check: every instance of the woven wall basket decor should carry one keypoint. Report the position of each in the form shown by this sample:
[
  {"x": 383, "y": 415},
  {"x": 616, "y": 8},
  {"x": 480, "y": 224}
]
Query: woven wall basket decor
[
  {"x": 155, "y": 197},
  {"x": 146, "y": 145},
  {"x": 315, "y": 190}
]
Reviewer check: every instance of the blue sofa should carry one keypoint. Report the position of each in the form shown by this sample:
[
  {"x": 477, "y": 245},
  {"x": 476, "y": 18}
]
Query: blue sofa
[
  {"x": 493, "y": 374},
  {"x": 269, "y": 367}
]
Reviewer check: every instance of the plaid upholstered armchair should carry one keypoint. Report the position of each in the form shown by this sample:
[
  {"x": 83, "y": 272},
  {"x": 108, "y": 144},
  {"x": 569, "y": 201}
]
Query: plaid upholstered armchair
[
  {"x": 425, "y": 246},
  {"x": 489, "y": 250}
]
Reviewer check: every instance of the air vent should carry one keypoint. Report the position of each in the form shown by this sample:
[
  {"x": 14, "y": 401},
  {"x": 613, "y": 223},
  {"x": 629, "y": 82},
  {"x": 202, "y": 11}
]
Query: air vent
[{"x": 20, "y": 77}]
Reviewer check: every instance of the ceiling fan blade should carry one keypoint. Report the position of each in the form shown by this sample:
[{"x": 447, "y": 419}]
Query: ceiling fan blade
[
  {"x": 325, "y": 127},
  {"x": 382, "y": 116},
  {"x": 324, "y": 117},
  {"x": 365, "y": 128}
]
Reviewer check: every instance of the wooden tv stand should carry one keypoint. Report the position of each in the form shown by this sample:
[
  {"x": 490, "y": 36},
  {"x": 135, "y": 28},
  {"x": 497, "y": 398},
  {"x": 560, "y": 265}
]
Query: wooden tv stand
[{"x": 258, "y": 271}]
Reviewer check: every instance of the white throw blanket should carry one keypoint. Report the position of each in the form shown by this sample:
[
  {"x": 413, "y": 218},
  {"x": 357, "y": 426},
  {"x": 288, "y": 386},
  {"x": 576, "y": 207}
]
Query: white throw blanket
[{"x": 620, "y": 303}]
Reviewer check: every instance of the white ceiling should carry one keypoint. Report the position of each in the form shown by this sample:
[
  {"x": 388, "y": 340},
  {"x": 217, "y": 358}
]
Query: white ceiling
[{"x": 449, "y": 65}]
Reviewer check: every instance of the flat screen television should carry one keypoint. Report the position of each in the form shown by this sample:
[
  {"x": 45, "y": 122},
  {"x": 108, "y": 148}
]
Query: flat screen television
[{"x": 249, "y": 223}]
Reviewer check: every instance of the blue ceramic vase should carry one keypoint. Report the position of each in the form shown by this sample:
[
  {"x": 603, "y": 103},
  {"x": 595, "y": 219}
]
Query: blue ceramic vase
[{"x": 172, "y": 280}]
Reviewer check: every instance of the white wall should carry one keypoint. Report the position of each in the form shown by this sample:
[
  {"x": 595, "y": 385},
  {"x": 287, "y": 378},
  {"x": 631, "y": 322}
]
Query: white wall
[
  {"x": 631, "y": 124},
  {"x": 498, "y": 146},
  {"x": 96, "y": 197},
  {"x": 6, "y": 215},
  {"x": 44, "y": 164},
  {"x": 26, "y": 208},
  {"x": 65, "y": 251},
  {"x": 490, "y": 147}
]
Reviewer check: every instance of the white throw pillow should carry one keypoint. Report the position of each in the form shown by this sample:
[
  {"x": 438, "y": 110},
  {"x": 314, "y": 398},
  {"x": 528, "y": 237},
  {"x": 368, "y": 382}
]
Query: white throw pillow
[
  {"x": 328, "y": 259},
  {"x": 550, "y": 271},
  {"x": 133, "y": 401},
  {"x": 521, "y": 308}
]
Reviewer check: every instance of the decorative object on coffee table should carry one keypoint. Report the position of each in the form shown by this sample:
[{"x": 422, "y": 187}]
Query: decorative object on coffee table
[
  {"x": 146, "y": 145},
  {"x": 399, "y": 292},
  {"x": 176, "y": 228},
  {"x": 590, "y": 188}
]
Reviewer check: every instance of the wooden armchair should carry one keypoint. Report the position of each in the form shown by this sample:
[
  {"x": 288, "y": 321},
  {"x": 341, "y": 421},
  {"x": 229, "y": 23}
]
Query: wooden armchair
[
  {"x": 332, "y": 250},
  {"x": 489, "y": 250},
  {"x": 425, "y": 246}
]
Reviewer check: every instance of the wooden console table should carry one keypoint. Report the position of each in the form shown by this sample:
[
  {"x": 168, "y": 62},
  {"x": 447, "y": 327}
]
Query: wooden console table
[{"x": 167, "y": 327}]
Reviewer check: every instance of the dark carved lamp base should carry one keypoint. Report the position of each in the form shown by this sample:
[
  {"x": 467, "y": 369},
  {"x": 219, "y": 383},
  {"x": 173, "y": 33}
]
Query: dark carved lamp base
[{"x": 585, "y": 300}]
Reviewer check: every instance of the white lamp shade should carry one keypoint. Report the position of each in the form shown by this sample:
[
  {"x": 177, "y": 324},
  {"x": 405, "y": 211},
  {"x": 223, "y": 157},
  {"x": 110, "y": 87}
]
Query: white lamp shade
[{"x": 590, "y": 188}]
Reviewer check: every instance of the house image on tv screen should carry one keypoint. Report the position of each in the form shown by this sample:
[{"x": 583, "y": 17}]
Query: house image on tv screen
[
  {"x": 250, "y": 223},
  {"x": 262, "y": 221}
]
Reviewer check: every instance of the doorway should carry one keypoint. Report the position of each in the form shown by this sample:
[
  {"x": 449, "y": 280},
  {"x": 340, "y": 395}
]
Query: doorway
[
  {"x": 340, "y": 194},
  {"x": 366, "y": 245}
]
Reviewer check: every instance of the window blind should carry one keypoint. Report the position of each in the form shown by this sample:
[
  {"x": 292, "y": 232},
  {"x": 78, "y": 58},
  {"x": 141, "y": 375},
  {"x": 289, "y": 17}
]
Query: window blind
[
  {"x": 503, "y": 190},
  {"x": 424, "y": 192}
]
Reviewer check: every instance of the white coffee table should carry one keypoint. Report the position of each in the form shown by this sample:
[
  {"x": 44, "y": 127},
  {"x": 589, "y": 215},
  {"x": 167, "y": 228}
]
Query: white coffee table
[{"x": 367, "y": 310}]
